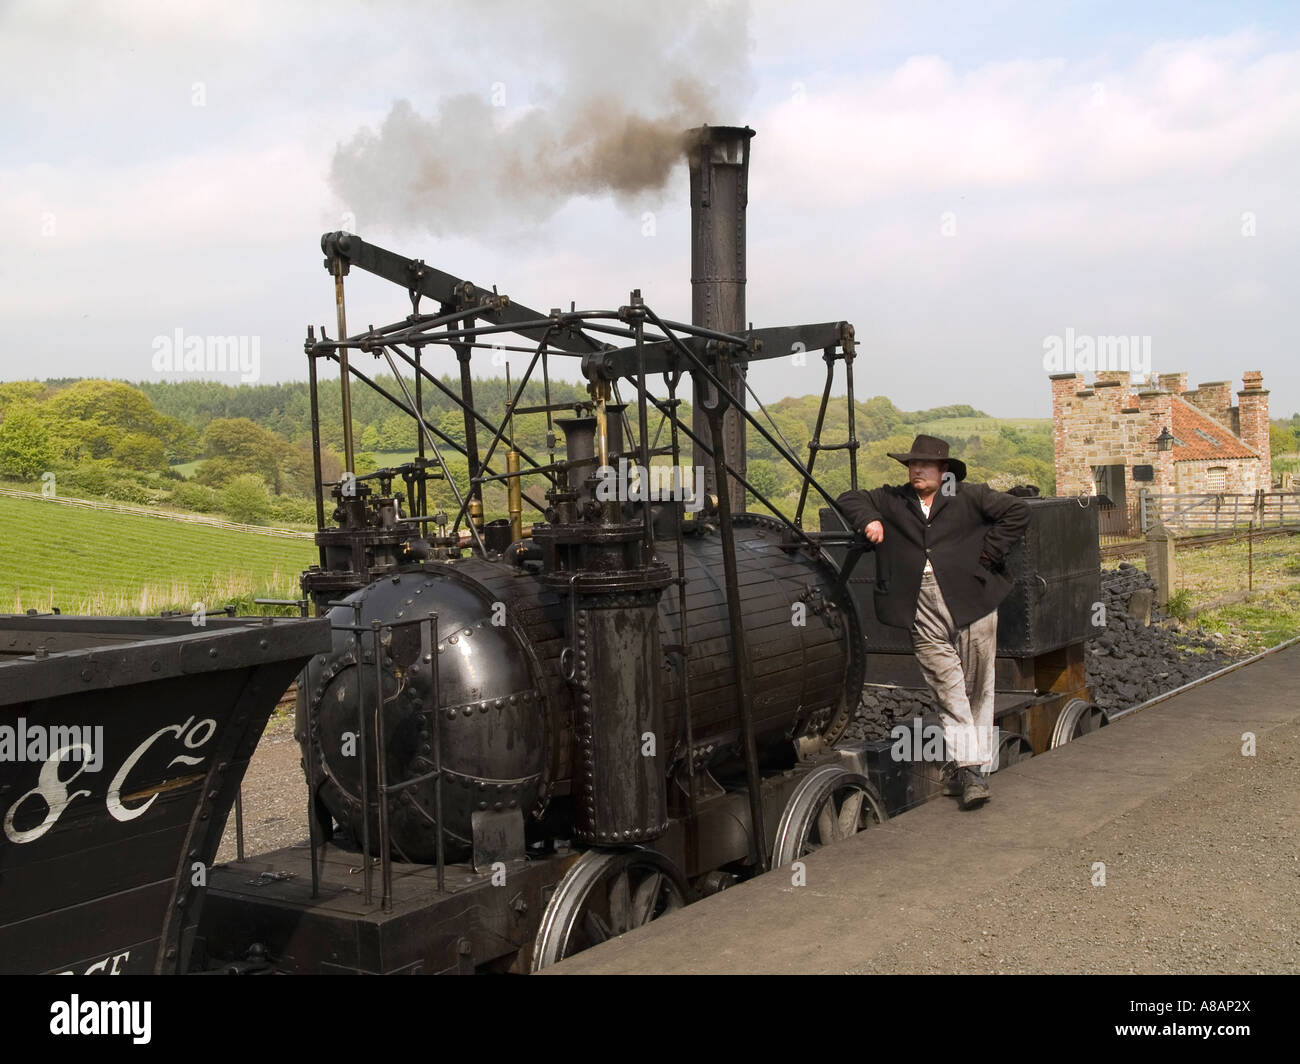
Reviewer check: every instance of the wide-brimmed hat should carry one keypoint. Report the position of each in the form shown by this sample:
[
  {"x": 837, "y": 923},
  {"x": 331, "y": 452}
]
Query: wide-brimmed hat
[{"x": 932, "y": 449}]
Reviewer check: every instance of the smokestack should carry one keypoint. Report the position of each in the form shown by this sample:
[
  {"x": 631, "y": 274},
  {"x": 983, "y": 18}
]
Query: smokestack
[{"x": 719, "y": 163}]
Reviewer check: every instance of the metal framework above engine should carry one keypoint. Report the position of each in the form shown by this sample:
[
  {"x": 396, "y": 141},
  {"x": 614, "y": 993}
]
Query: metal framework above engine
[
  {"x": 470, "y": 318},
  {"x": 592, "y": 552}
]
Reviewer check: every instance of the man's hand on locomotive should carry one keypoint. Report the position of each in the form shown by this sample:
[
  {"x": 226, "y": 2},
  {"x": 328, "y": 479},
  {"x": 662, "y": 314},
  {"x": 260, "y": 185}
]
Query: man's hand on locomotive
[{"x": 875, "y": 531}]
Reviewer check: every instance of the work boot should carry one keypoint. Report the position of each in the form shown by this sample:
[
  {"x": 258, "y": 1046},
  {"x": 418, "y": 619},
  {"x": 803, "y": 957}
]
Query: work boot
[
  {"x": 952, "y": 780},
  {"x": 975, "y": 788}
]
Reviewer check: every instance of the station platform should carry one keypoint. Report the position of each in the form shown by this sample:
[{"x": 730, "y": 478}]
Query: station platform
[{"x": 1154, "y": 845}]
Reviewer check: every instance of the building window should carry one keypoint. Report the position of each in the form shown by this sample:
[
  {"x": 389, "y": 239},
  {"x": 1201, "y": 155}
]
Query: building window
[{"x": 1216, "y": 478}]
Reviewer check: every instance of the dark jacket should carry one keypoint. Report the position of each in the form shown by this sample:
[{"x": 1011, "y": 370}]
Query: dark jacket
[{"x": 967, "y": 538}]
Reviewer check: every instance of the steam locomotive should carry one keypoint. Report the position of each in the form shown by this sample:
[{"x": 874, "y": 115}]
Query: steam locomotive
[
  {"x": 536, "y": 736},
  {"x": 543, "y": 736}
]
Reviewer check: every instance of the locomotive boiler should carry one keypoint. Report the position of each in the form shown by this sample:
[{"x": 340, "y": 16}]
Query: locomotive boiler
[{"x": 559, "y": 674}]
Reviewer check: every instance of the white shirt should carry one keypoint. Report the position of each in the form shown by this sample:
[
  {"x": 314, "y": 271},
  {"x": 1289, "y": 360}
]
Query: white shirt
[{"x": 925, "y": 509}]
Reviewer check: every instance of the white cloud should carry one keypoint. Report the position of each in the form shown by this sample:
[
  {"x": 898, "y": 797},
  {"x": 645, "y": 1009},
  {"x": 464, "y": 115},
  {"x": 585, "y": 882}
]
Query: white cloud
[
  {"x": 1198, "y": 106},
  {"x": 1089, "y": 188}
]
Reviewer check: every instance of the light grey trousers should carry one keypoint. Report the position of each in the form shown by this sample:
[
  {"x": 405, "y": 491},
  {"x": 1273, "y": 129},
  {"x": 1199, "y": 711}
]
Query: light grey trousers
[{"x": 957, "y": 663}]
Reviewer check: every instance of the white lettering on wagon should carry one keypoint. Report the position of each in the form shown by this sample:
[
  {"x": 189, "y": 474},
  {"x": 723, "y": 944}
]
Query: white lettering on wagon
[
  {"x": 54, "y": 791},
  {"x": 50, "y": 789},
  {"x": 110, "y": 965},
  {"x": 114, "y": 801}
]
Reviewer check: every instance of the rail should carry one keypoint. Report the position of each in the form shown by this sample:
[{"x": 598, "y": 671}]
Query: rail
[
  {"x": 1164, "y": 696},
  {"x": 383, "y": 788},
  {"x": 374, "y": 716}
]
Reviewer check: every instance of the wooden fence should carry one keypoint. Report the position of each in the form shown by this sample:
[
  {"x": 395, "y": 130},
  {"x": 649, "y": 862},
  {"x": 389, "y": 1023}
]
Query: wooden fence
[
  {"x": 1118, "y": 524},
  {"x": 1209, "y": 512}
]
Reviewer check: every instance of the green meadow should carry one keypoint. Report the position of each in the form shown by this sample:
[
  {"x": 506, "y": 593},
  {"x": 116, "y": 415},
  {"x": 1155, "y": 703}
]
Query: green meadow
[{"x": 99, "y": 562}]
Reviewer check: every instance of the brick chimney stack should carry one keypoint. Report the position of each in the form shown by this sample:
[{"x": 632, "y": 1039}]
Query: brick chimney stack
[
  {"x": 1173, "y": 382},
  {"x": 1215, "y": 399},
  {"x": 1252, "y": 414},
  {"x": 1064, "y": 388}
]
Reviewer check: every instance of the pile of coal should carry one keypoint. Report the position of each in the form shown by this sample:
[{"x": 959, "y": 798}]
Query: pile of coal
[
  {"x": 1129, "y": 661},
  {"x": 882, "y": 707},
  {"x": 1137, "y": 654}
]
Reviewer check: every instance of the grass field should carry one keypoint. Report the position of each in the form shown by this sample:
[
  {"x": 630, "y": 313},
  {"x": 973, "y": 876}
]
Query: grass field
[
  {"x": 1211, "y": 574},
  {"x": 87, "y": 561},
  {"x": 1272, "y": 618}
]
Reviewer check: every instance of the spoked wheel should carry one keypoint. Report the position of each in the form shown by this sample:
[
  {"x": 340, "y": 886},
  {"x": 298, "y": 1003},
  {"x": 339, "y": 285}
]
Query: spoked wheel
[
  {"x": 604, "y": 895},
  {"x": 831, "y": 804},
  {"x": 1013, "y": 747},
  {"x": 1077, "y": 718}
]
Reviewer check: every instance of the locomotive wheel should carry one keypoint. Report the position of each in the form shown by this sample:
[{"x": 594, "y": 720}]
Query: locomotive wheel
[
  {"x": 1077, "y": 718},
  {"x": 831, "y": 804},
  {"x": 1014, "y": 747},
  {"x": 603, "y": 895}
]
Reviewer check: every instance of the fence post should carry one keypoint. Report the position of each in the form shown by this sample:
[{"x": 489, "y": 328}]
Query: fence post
[
  {"x": 1250, "y": 557},
  {"x": 1160, "y": 561},
  {"x": 1142, "y": 509}
]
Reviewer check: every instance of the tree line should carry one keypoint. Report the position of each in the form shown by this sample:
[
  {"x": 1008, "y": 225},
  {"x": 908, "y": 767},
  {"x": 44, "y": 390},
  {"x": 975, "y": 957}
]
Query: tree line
[{"x": 139, "y": 442}]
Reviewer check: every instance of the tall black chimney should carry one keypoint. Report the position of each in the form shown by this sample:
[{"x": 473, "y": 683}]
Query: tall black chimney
[{"x": 719, "y": 161}]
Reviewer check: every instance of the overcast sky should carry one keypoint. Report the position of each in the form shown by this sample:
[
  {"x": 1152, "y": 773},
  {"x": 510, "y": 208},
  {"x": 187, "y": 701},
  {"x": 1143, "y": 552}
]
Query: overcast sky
[{"x": 963, "y": 182}]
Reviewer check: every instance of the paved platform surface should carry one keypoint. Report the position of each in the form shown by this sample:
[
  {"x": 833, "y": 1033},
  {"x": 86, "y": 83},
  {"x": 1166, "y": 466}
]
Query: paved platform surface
[{"x": 1200, "y": 843}]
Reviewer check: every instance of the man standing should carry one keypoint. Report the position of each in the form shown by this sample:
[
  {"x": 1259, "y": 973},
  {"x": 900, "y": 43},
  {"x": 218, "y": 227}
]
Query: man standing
[{"x": 940, "y": 550}]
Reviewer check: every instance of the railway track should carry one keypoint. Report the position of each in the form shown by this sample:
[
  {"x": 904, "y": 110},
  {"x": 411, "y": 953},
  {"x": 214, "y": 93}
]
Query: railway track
[{"x": 1110, "y": 552}]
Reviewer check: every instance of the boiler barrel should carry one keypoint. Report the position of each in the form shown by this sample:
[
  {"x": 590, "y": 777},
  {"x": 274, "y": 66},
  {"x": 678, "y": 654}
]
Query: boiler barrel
[{"x": 801, "y": 653}]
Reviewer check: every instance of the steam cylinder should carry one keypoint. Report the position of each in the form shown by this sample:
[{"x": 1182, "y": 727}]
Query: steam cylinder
[{"x": 620, "y": 786}]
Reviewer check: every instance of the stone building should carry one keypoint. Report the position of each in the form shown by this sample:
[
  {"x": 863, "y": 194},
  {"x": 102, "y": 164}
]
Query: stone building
[{"x": 1106, "y": 432}]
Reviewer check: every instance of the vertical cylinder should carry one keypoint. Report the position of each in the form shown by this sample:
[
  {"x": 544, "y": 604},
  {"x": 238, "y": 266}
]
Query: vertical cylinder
[
  {"x": 463, "y": 354},
  {"x": 623, "y": 794},
  {"x": 719, "y": 166},
  {"x": 345, "y": 374},
  {"x": 514, "y": 497},
  {"x": 580, "y": 446}
]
